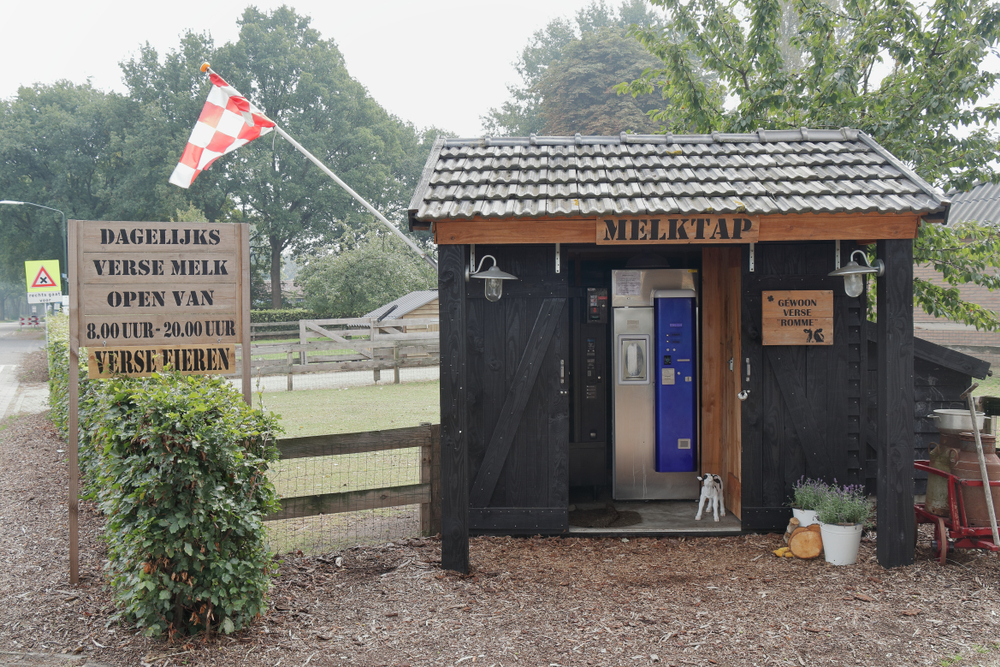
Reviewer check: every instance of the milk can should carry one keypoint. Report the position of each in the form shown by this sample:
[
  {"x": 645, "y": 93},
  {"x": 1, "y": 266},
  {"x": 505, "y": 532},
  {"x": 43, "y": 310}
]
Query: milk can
[
  {"x": 966, "y": 466},
  {"x": 942, "y": 457}
]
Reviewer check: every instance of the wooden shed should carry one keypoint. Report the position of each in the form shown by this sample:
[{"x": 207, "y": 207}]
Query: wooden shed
[
  {"x": 416, "y": 305},
  {"x": 750, "y": 226}
]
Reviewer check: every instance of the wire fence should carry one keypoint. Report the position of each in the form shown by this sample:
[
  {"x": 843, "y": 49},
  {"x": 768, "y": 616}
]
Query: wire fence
[
  {"x": 359, "y": 488},
  {"x": 356, "y": 488}
]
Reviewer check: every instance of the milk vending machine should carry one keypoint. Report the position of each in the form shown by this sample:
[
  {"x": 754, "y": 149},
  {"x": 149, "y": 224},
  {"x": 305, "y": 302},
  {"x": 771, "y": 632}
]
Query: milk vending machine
[{"x": 655, "y": 389}]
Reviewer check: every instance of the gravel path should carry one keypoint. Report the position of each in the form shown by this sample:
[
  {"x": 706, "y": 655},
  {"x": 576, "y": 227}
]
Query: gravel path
[{"x": 527, "y": 601}]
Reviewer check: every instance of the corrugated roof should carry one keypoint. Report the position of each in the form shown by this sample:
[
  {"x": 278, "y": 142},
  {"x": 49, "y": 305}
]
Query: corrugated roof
[
  {"x": 766, "y": 172},
  {"x": 404, "y": 304},
  {"x": 981, "y": 204}
]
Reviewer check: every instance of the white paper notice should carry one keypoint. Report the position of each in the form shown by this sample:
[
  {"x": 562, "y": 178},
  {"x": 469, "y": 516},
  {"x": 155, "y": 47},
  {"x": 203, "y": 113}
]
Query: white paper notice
[{"x": 629, "y": 283}]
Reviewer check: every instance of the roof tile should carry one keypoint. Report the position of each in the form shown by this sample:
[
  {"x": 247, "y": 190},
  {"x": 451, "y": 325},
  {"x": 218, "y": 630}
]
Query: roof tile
[{"x": 788, "y": 171}]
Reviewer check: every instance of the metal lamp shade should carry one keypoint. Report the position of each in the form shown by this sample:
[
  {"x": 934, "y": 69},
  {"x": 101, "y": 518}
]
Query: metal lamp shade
[
  {"x": 853, "y": 274},
  {"x": 494, "y": 278}
]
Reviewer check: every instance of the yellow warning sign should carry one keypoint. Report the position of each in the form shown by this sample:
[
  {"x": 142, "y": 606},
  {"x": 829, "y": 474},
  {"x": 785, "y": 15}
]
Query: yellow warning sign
[{"x": 43, "y": 276}]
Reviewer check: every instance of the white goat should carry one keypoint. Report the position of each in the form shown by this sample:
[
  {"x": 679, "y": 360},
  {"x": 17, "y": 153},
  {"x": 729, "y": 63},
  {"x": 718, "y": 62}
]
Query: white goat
[{"x": 711, "y": 496}]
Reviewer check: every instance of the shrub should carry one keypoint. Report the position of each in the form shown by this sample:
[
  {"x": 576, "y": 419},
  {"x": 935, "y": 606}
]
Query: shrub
[
  {"x": 808, "y": 494},
  {"x": 282, "y": 315},
  {"x": 182, "y": 480},
  {"x": 58, "y": 355},
  {"x": 845, "y": 505},
  {"x": 57, "y": 349},
  {"x": 178, "y": 465}
]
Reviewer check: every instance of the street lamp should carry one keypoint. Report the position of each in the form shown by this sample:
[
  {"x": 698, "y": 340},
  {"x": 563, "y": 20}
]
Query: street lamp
[{"x": 65, "y": 271}]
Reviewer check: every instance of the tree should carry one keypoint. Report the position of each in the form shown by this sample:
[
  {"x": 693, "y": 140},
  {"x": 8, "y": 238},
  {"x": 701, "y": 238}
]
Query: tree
[
  {"x": 53, "y": 152},
  {"x": 557, "y": 52},
  {"x": 910, "y": 77},
  {"x": 301, "y": 82},
  {"x": 930, "y": 58},
  {"x": 298, "y": 79},
  {"x": 358, "y": 280},
  {"x": 577, "y": 92}
]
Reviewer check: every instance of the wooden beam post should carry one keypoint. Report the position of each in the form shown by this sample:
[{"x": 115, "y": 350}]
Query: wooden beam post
[
  {"x": 246, "y": 349},
  {"x": 73, "y": 261},
  {"x": 454, "y": 411},
  {"x": 896, "y": 522},
  {"x": 430, "y": 473}
]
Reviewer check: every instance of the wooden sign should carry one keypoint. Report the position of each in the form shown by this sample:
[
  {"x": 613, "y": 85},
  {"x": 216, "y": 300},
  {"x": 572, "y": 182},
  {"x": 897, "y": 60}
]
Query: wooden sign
[
  {"x": 797, "y": 317},
  {"x": 150, "y": 283},
  {"x": 106, "y": 362},
  {"x": 702, "y": 229},
  {"x": 145, "y": 295}
]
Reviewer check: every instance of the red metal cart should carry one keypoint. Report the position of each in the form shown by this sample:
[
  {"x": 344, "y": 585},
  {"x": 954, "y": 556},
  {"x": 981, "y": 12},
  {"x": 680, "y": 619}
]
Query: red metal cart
[{"x": 955, "y": 526}]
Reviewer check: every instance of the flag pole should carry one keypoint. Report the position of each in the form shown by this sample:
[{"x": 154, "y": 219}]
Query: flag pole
[{"x": 326, "y": 170}]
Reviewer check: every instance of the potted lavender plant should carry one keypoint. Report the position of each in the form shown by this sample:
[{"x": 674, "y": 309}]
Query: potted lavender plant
[
  {"x": 807, "y": 495},
  {"x": 842, "y": 516}
]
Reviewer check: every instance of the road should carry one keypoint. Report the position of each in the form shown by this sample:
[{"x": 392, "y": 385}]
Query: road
[{"x": 14, "y": 344}]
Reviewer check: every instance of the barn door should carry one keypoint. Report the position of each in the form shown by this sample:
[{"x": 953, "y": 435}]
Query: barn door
[
  {"x": 802, "y": 415},
  {"x": 518, "y": 398}
]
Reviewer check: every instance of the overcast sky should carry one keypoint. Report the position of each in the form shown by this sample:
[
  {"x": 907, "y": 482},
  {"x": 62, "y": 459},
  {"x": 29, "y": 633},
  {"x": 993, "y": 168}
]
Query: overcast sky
[{"x": 430, "y": 62}]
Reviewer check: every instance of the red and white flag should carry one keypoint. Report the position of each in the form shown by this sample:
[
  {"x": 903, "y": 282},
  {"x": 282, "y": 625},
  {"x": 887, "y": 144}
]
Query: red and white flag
[{"x": 227, "y": 122}]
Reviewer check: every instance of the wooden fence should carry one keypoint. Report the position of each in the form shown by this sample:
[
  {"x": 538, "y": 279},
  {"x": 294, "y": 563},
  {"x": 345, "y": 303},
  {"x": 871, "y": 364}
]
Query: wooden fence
[
  {"x": 330, "y": 346},
  {"x": 426, "y": 493}
]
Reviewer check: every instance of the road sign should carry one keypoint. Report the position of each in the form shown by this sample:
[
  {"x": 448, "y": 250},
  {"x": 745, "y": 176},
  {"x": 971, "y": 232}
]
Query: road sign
[
  {"x": 44, "y": 297},
  {"x": 43, "y": 276}
]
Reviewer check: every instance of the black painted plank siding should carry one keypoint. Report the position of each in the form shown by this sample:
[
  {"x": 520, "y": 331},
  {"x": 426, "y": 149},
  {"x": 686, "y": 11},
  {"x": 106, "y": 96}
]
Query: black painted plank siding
[
  {"x": 797, "y": 420},
  {"x": 940, "y": 376},
  {"x": 519, "y": 402},
  {"x": 896, "y": 521},
  {"x": 454, "y": 410}
]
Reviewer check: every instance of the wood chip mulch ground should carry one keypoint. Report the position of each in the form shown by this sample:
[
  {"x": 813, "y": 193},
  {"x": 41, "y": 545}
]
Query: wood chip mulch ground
[{"x": 527, "y": 601}]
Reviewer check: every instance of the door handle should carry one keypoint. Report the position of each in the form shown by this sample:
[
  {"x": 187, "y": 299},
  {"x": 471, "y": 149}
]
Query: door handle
[{"x": 748, "y": 369}]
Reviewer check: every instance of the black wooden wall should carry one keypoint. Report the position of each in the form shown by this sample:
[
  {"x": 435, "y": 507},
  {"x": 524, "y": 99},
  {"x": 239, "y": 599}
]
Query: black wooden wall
[
  {"x": 940, "y": 376},
  {"x": 517, "y": 365},
  {"x": 803, "y": 414}
]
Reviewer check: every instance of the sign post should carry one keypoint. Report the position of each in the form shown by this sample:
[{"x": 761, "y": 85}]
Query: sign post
[
  {"x": 43, "y": 281},
  {"x": 152, "y": 295}
]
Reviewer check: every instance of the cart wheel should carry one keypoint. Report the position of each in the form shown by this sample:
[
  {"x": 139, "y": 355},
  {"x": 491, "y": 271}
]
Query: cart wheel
[{"x": 941, "y": 533}]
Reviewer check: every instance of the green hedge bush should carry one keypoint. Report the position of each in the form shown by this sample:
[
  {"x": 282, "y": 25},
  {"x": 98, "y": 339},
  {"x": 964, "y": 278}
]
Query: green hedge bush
[
  {"x": 178, "y": 465},
  {"x": 183, "y": 481},
  {"x": 58, "y": 356},
  {"x": 282, "y": 315}
]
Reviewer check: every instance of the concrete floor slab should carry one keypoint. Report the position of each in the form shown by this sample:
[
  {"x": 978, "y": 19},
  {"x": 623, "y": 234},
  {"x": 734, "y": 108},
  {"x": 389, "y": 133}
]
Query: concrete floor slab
[{"x": 661, "y": 518}]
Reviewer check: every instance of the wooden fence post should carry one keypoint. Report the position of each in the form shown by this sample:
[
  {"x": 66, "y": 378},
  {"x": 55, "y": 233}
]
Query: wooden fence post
[
  {"x": 302, "y": 341},
  {"x": 430, "y": 472},
  {"x": 289, "y": 387},
  {"x": 395, "y": 362}
]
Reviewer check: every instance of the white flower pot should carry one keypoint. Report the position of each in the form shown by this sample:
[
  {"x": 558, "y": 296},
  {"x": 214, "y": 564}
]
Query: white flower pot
[
  {"x": 805, "y": 517},
  {"x": 841, "y": 543}
]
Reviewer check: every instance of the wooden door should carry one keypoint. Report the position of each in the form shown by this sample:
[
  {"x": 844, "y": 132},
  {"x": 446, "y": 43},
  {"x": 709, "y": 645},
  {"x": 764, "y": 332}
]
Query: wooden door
[
  {"x": 802, "y": 415},
  {"x": 517, "y": 374},
  {"x": 721, "y": 446}
]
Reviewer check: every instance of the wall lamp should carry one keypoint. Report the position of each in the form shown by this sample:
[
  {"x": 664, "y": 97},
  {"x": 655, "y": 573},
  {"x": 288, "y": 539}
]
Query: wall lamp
[
  {"x": 493, "y": 276},
  {"x": 854, "y": 283}
]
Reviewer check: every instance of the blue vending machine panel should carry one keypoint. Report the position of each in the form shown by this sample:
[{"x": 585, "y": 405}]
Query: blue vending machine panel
[{"x": 676, "y": 364}]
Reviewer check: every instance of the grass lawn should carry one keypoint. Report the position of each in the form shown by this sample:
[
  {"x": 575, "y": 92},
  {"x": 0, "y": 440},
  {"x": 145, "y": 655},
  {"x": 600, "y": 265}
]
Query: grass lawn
[
  {"x": 988, "y": 387},
  {"x": 355, "y": 409}
]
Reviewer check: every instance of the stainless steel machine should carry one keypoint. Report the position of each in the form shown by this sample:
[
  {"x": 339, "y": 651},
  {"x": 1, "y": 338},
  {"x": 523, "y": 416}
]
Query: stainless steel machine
[{"x": 655, "y": 386}]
